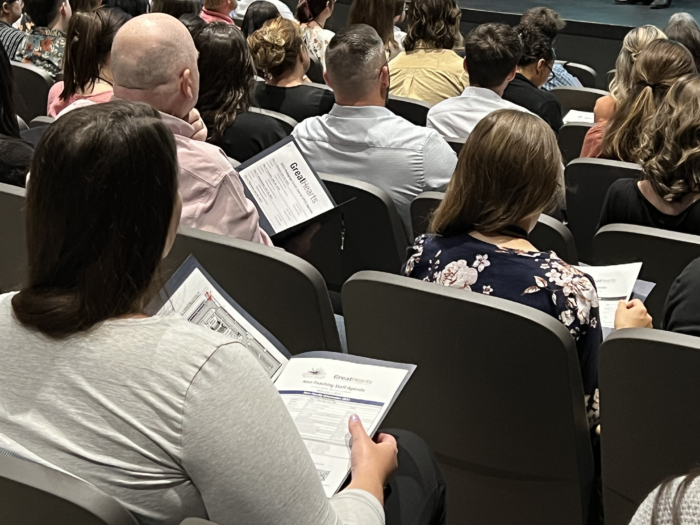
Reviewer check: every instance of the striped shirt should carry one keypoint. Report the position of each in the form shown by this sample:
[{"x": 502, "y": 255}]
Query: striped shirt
[
  {"x": 371, "y": 144},
  {"x": 10, "y": 38}
]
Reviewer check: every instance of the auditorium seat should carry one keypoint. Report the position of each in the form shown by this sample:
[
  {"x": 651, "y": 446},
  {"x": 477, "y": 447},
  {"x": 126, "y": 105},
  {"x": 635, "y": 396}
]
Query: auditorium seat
[
  {"x": 587, "y": 183},
  {"x": 288, "y": 123},
  {"x": 496, "y": 394},
  {"x": 549, "y": 234},
  {"x": 580, "y": 99},
  {"x": 315, "y": 72},
  {"x": 13, "y": 239},
  {"x": 281, "y": 291},
  {"x": 571, "y": 137},
  {"x": 197, "y": 521},
  {"x": 456, "y": 144},
  {"x": 664, "y": 255},
  {"x": 21, "y": 123},
  {"x": 365, "y": 234},
  {"x": 32, "y": 86},
  {"x": 33, "y": 494},
  {"x": 38, "y": 122},
  {"x": 415, "y": 111},
  {"x": 649, "y": 428},
  {"x": 586, "y": 75}
]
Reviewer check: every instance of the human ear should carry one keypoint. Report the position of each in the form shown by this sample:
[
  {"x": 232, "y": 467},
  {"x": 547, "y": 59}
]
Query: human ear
[{"x": 186, "y": 84}]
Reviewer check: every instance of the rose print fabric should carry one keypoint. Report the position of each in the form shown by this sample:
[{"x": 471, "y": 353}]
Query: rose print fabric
[
  {"x": 317, "y": 40},
  {"x": 537, "y": 279}
]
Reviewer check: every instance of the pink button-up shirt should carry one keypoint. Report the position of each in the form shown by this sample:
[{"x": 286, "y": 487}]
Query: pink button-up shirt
[
  {"x": 212, "y": 16},
  {"x": 213, "y": 198}
]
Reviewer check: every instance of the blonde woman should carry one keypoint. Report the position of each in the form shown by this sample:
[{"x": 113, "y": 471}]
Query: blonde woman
[
  {"x": 667, "y": 195},
  {"x": 279, "y": 51},
  {"x": 633, "y": 44},
  {"x": 508, "y": 174}
]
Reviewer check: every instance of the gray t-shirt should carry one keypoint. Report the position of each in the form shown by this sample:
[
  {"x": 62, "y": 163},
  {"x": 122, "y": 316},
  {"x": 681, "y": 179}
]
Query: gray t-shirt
[{"x": 172, "y": 419}]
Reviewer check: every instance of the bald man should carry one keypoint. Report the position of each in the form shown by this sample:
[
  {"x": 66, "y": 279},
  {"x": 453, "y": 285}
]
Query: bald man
[{"x": 154, "y": 61}]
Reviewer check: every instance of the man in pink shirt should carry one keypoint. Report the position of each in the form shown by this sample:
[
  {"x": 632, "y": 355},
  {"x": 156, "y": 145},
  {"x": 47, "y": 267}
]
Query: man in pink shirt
[
  {"x": 218, "y": 10},
  {"x": 154, "y": 61}
]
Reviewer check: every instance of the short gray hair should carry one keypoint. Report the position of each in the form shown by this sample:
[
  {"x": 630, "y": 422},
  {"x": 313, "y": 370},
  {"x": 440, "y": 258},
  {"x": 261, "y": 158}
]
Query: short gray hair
[{"x": 354, "y": 57}]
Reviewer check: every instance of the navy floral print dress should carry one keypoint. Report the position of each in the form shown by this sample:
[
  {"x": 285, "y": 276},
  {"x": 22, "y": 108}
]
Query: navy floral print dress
[{"x": 537, "y": 279}]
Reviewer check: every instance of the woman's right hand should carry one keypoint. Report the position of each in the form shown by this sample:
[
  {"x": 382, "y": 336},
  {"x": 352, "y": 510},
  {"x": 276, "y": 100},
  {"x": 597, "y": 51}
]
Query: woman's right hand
[
  {"x": 371, "y": 463},
  {"x": 632, "y": 315}
]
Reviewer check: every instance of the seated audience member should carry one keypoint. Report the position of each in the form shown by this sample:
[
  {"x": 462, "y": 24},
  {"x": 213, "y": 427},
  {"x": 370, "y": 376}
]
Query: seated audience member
[
  {"x": 218, "y": 11},
  {"x": 657, "y": 68},
  {"x": 256, "y": 15},
  {"x": 164, "y": 74},
  {"x": 508, "y": 174},
  {"x": 682, "y": 310},
  {"x": 683, "y": 28},
  {"x": 43, "y": 46},
  {"x": 534, "y": 69},
  {"x": 378, "y": 14},
  {"x": 172, "y": 419},
  {"x": 312, "y": 16},
  {"x": 667, "y": 195},
  {"x": 550, "y": 23},
  {"x": 399, "y": 16},
  {"x": 132, "y": 8},
  {"x": 360, "y": 138},
  {"x": 15, "y": 154},
  {"x": 86, "y": 61},
  {"x": 227, "y": 80},
  {"x": 279, "y": 51},
  {"x": 282, "y": 9},
  {"x": 633, "y": 44},
  {"x": 10, "y": 38},
  {"x": 492, "y": 53},
  {"x": 428, "y": 69},
  {"x": 674, "y": 502},
  {"x": 176, "y": 8}
]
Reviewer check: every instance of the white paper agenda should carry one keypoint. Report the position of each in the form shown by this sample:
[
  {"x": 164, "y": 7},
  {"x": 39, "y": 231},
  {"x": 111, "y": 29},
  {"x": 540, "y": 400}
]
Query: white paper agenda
[
  {"x": 322, "y": 394},
  {"x": 614, "y": 283},
  {"x": 285, "y": 187},
  {"x": 198, "y": 302},
  {"x": 585, "y": 117}
]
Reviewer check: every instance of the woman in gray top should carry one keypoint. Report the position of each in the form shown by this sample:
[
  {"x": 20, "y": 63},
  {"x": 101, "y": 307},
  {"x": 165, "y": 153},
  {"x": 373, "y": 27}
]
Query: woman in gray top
[{"x": 172, "y": 419}]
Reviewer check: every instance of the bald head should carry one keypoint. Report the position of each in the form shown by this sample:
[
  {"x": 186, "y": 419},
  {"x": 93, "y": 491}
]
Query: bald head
[{"x": 151, "y": 51}]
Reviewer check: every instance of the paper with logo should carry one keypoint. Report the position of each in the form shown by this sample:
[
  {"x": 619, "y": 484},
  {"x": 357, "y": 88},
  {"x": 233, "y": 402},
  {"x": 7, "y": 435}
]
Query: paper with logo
[
  {"x": 284, "y": 187},
  {"x": 614, "y": 283},
  {"x": 583, "y": 117},
  {"x": 321, "y": 394},
  {"x": 193, "y": 295}
]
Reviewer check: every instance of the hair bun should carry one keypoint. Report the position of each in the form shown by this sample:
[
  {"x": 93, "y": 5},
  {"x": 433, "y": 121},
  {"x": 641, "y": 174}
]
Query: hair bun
[{"x": 267, "y": 47}]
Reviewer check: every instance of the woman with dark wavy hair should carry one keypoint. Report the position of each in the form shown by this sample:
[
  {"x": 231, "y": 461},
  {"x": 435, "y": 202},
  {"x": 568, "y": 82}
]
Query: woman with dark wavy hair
[
  {"x": 429, "y": 69},
  {"x": 226, "y": 79},
  {"x": 666, "y": 197}
]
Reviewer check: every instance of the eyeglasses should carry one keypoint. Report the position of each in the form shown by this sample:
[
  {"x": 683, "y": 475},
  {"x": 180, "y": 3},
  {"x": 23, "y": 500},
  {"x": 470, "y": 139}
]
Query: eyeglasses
[{"x": 552, "y": 74}]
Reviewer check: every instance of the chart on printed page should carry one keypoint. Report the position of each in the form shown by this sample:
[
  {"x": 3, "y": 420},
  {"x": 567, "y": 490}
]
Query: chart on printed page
[
  {"x": 199, "y": 302},
  {"x": 321, "y": 395},
  {"x": 286, "y": 188}
]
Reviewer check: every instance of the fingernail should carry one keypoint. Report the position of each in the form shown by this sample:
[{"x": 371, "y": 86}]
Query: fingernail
[{"x": 354, "y": 418}]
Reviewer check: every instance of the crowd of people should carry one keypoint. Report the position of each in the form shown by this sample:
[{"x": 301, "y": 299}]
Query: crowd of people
[{"x": 154, "y": 111}]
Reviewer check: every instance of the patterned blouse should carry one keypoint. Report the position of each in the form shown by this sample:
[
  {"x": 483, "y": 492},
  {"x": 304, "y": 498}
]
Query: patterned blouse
[
  {"x": 317, "y": 40},
  {"x": 537, "y": 279},
  {"x": 43, "y": 47}
]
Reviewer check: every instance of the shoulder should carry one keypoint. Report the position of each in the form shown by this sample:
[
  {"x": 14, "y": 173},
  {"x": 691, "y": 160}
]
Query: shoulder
[
  {"x": 623, "y": 188},
  {"x": 604, "y": 109},
  {"x": 689, "y": 503},
  {"x": 205, "y": 161}
]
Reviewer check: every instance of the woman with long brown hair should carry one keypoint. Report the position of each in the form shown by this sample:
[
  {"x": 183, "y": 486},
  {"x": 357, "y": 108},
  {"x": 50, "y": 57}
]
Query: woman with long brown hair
[
  {"x": 508, "y": 173},
  {"x": 86, "y": 59},
  {"x": 378, "y": 14},
  {"x": 667, "y": 195},
  {"x": 428, "y": 69}
]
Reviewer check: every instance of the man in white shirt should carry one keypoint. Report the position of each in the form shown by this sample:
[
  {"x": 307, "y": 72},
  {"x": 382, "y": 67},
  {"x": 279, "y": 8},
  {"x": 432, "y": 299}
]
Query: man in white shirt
[
  {"x": 363, "y": 140},
  {"x": 492, "y": 52}
]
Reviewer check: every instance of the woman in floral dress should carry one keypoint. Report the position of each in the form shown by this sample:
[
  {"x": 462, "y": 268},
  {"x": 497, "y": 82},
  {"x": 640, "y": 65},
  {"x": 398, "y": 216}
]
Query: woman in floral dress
[
  {"x": 312, "y": 16},
  {"x": 508, "y": 174}
]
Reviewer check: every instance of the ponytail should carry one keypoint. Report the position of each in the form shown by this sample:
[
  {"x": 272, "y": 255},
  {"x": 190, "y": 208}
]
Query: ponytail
[{"x": 88, "y": 46}]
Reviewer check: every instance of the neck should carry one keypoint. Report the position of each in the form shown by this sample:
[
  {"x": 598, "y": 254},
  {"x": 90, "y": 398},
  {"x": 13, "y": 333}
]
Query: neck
[
  {"x": 290, "y": 78},
  {"x": 158, "y": 100},
  {"x": 374, "y": 99},
  {"x": 222, "y": 9},
  {"x": 57, "y": 24},
  {"x": 498, "y": 90},
  {"x": 319, "y": 21},
  {"x": 526, "y": 73},
  {"x": 6, "y": 20},
  {"x": 106, "y": 74}
]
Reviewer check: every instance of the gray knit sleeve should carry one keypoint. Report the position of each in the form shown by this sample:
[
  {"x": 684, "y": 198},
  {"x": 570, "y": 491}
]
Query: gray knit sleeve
[{"x": 689, "y": 511}]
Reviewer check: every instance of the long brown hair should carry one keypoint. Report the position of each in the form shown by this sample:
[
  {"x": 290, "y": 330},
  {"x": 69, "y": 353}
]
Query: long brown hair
[
  {"x": 226, "y": 76},
  {"x": 671, "y": 154},
  {"x": 434, "y": 22},
  {"x": 99, "y": 208},
  {"x": 508, "y": 170},
  {"x": 276, "y": 46},
  {"x": 378, "y": 14},
  {"x": 659, "y": 65},
  {"x": 88, "y": 47}
]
